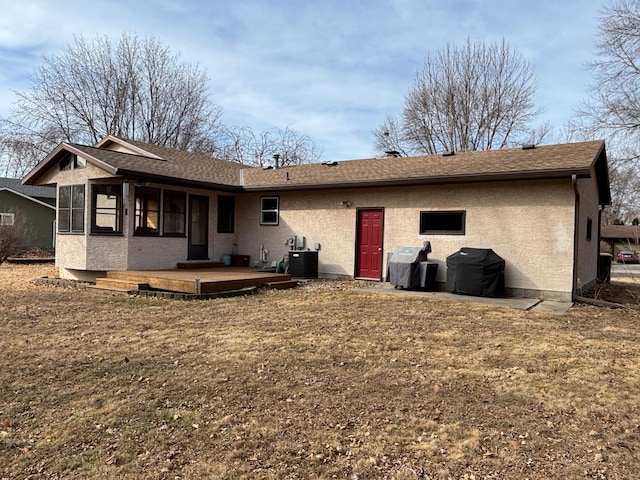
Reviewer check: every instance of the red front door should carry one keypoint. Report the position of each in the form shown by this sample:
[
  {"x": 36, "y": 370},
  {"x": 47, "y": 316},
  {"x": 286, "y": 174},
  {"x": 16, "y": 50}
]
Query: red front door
[{"x": 369, "y": 244}]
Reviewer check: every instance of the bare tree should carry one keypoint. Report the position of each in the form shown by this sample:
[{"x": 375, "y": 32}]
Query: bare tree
[
  {"x": 134, "y": 89},
  {"x": 475, "y": 97},
  {"x": 15, "y": 232},
  {"x": 613, "y": 107},
  {"x": 244, "y": 145}
]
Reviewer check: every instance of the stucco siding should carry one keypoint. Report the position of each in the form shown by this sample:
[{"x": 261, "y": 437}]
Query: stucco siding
[{"x": 529, "y": 224}]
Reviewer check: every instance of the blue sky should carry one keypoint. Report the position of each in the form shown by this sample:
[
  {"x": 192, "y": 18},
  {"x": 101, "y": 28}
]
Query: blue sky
[{"x": 332, "y": 69}]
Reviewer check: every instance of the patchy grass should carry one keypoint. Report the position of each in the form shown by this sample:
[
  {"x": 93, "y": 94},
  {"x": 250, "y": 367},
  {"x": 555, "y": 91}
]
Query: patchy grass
[{"x": 311, "y": 383}]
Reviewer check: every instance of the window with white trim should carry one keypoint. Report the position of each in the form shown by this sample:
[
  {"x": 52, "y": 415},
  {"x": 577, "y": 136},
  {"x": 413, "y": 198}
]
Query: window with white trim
[
  {"x": 269, "y": 210},
  {"x": 7, "y": 219}
]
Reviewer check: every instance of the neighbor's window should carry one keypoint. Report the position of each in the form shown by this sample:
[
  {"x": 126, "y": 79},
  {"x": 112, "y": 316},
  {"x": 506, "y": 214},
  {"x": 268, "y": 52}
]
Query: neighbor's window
[
  {"x": 174, "y": 213},
  {"x": 7, "y": 219},
  {"x": 71, "y": 209},
  {"x": 106, "y": 209},
  {"x": 269, "y": 210},
  {"x": 147, "y": 211},
  {"x": 589, "y": 228},
  {"x": 442, "y": 223},
  {"x": 226, "y": 213}
]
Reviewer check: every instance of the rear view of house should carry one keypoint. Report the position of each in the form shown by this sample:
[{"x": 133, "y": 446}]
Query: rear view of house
[{"x": 126, "y": 205}]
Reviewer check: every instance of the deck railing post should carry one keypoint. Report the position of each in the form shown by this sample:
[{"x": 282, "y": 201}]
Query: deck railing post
[{"x": 198, "y": 289}]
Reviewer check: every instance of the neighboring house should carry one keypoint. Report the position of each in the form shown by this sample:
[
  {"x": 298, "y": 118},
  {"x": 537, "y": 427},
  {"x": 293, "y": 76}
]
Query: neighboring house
[
  {"x": 621, "y": 237},
  {"x": 38, "y": 204},
  {"x": 125, "y": 205}
]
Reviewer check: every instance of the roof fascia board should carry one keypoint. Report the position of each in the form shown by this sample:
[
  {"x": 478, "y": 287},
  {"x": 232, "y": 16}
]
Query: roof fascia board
[
  {"x": 27, "y": 197},
  {"x": 119, "y": 141},
  {"x": 49, "y": 159},
  {"x": 457, "y": 179},
  {"x": 132, "y": 175}
]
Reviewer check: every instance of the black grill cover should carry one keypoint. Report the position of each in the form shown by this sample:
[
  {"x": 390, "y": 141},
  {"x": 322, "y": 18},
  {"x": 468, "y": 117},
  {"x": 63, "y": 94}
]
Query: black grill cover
[
  {"x": 475, "y": 271},
  {"x": 403, "y": 269}
]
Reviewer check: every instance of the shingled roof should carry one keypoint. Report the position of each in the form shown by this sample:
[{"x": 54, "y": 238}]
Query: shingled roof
[
  {"x": 178, "y": 167},
  {"x": 164, "y": 165},
  {"x": 31, "y": 191},
  {"x": 539, "y": 162}
]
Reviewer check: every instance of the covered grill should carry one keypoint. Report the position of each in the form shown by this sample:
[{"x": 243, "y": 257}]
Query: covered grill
[
  {"x": 476, "y": 271},
  {"x": 408, "y": 267}
]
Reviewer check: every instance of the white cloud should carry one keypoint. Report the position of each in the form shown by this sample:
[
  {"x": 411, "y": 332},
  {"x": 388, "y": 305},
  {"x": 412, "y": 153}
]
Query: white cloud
[{"x": 330, "y": 69}]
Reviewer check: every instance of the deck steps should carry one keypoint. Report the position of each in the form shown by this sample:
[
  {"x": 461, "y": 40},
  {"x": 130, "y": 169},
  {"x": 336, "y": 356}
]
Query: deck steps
[
  {"x": 199, "y": 264},
  {"x": 120, "y": 284},
  {"x": 282, "y": 285}
]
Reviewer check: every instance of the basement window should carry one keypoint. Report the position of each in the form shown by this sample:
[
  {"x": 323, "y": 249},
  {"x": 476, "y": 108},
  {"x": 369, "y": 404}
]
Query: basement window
[
  {"x": 443, "y": 222},
  {"x": 269, "y": 210}
]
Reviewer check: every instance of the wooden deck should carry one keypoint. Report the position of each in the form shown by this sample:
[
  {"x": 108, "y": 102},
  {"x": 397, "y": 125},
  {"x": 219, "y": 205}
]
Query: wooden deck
[{"x": 199, "y": 281}]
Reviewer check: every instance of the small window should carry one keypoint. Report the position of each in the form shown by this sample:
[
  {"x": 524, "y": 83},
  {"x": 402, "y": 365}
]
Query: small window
[
  {"x": 72, "y": 160},
  {"x": 71, "y": 209},
  {"x": 65, "y": 163},
  {"x": 106, "y": 209},
  {"x": 442, "y": 223},
  {"x": 147, "y": 211},
  {"x": 589, "y": 228},
  {"x": 226, "y": 213},
  {"x": 7, "y": 219},
  {"x": 174, "y": 213},
  {"x": 269, "y": 210}
]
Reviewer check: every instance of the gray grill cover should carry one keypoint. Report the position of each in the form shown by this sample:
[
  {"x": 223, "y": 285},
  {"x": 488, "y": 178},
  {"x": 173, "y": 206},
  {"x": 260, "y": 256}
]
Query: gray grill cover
[
  {"x": 476, "y": 271},
  {"x": 404, "y": 265}
]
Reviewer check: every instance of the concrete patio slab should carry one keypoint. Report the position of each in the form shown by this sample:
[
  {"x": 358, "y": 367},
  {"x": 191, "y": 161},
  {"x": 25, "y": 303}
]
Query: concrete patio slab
[{"x": 527, "y": 304}]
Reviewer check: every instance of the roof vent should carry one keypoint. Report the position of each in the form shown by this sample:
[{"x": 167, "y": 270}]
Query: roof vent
[
  {"x": 392, "y": 153},
  {"x": 528, "y": 146},
  {"x": 330, "y": 164},
  {"x": 276, "y": 160},
  {"x": 450, "y": 153},
  {"x": 268, "y": 168}
]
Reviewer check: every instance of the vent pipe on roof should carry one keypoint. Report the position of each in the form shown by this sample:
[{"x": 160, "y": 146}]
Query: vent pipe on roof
[
  {"x": 528, "y": 146},
  {"x": 276, "y": 160}
]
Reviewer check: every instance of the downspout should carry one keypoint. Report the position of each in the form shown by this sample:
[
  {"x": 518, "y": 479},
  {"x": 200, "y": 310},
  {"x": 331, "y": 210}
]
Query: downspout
[{"x": 576, "y": 226}]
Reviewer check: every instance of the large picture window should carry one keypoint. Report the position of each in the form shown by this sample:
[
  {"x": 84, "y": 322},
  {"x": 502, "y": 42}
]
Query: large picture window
[
  {"x": 226, "y": 213},
  {"x": 269, "y": 210},
  {"x": 443, "y": 223},
  {"x": 147, "y": 212},
  {"x": 174, "y": 213},
  {"x": 106, "y": 209},
  {"x": 71, "y": 209}
]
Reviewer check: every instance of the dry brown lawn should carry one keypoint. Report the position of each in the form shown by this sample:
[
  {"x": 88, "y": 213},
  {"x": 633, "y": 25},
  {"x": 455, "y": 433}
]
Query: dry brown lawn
[{"x": 324, "y": 382}]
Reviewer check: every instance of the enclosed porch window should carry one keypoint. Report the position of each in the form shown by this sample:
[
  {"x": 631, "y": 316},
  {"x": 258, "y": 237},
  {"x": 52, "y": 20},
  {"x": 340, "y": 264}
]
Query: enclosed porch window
[{"x": 147, "y": 210}]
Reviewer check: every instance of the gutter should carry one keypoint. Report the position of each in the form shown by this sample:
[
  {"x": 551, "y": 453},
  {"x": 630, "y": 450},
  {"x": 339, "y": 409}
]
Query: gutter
[{"x": 576, "y": 226}]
